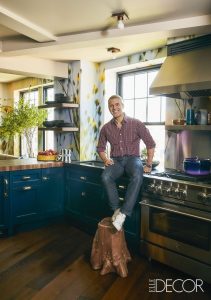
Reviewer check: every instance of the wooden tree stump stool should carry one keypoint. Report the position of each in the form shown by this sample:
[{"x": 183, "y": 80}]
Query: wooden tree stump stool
[{"x": 109, "y": 250}]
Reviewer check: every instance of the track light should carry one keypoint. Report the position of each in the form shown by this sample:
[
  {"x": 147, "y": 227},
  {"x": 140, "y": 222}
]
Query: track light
[
  {"x": 121, "y": 17},
  {"x": 113, "y": 51}
]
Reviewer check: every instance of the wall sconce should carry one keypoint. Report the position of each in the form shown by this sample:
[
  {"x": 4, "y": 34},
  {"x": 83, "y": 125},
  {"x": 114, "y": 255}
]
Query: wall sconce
[
  {"x": 121, "y": 17},
  {"x": 113, "y": 51}
]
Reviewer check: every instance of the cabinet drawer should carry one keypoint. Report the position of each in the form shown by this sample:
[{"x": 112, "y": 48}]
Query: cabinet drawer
[
  {"x": 25, "y": 178},
  {"x": 82, "y": 174}
]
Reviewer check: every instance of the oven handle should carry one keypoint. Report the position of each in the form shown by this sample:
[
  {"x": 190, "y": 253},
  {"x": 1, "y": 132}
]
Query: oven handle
[{"x": 146, "y": 203}]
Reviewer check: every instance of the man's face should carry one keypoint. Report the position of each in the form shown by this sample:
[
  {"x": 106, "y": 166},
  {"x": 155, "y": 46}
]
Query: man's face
[{"x": 115, "y": 106}]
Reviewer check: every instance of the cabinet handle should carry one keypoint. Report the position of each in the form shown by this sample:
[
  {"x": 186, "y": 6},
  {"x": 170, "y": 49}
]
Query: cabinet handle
[
  {"x": 83, "y": 194},
  {"x": 121, "y": 199},
  {"x": 82, "y": 177},
  {"x": 122, "y": 187},
  {"x": 5, "y": 188},
  {"x": 27, "y": 188},
  {"x": 45, "y": 178},
  {"x": 26, "y": 177}
]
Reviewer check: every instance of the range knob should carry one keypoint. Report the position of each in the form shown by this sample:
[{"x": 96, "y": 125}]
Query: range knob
[
  {"x": 183, "y": 194},
  {"x": 176, "y": 191},
  {"x": 159, "y": 188},
  {"x": 208, "y": 199},
  {"x": 203, "y": 196},
  {"x": 151, "y": 187}
]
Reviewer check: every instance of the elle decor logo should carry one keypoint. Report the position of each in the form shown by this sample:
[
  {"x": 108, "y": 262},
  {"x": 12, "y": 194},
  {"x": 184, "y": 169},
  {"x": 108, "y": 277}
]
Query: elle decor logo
[{"x": 177, "y": 285}]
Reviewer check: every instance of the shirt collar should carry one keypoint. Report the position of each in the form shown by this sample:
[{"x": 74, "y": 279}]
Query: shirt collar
[{"x": 125, "y": 119}]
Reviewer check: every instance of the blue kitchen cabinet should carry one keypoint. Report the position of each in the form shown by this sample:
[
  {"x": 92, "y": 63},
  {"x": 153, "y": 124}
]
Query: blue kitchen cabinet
[
  {"x": 51, "y": 192},
  {"x": 85, "y": 201},
  {"x": 4, "y": 203},
  {"x": 25, "y": 201}
]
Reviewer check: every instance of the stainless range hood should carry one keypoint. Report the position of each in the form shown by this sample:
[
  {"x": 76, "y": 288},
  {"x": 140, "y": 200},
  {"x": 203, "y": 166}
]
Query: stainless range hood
[{"x": 184, "y": 75}]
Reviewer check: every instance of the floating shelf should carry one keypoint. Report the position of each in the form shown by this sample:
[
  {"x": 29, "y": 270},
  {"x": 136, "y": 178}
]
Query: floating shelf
[
  {"x": 60, "y": 129},
  {"x": 59, "y": 105},
  {"x": 188, "y": 127}
]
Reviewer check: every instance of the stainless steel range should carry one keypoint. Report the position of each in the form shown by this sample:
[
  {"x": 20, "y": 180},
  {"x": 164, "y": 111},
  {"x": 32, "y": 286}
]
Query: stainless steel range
[{"x": 176, "y": 222}]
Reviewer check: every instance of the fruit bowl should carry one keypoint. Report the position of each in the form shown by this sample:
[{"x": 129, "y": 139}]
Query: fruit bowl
[{"x": 47, "y": 155}]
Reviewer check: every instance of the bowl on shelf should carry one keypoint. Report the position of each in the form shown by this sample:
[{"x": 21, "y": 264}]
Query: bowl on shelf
[
  {"x": 48, "y": 123},
  {"x": 178, "y": 122},
  {"x": 52, "y": 123}
]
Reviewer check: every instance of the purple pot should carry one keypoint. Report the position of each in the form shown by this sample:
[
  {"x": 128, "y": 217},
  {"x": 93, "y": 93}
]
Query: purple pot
[{"x": 196, "y": 166}]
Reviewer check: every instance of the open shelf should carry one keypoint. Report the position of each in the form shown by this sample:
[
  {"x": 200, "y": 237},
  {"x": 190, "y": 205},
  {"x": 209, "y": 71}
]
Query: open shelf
[
  {"x": 188, "y": 127},
  {"x": 59, "y": 129},
  {"x": 59, "y": 105}
]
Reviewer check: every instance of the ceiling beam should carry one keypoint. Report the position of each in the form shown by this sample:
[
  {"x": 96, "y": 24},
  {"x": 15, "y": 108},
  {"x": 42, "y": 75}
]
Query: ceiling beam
[
  {"x": 27, "y": 47},
  {"x": 25, "y": 27}
]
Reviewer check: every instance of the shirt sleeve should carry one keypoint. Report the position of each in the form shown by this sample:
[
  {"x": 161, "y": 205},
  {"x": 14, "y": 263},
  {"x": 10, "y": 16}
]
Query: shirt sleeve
[
  {"x": 101, "y": 146},
  {"x": 145, "y": 135}
]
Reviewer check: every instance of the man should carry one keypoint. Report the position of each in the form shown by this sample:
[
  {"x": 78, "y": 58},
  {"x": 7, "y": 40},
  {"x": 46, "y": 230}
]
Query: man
[{"x": 124, "y": 135}]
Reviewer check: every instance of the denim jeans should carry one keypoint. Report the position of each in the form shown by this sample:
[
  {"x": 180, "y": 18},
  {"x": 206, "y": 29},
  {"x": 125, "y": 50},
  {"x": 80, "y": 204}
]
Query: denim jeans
[{"x": 132, "y": 166}]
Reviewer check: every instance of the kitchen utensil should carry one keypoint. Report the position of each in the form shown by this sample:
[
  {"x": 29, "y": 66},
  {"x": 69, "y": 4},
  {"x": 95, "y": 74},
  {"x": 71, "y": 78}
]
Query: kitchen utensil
[{"x": 196, "y": 166}]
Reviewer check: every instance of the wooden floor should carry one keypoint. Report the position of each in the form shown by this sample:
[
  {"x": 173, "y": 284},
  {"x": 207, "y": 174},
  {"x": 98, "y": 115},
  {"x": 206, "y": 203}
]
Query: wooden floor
[{"x": 53, "y": 263}]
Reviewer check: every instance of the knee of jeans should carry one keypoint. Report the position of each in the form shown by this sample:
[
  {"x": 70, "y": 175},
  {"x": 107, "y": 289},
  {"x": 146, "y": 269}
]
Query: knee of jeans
[
  {"x": 105, "y": 178},
  {"x": 137, "y": 176}
]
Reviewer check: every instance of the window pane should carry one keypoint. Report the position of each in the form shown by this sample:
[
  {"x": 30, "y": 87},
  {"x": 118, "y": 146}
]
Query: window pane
[
  {"x": 153, "y": 113},
  {"x": 128, "y": 87},
  {"x": 141, "y": 85},
  {"x": 129, "y": 107},
  {"x": 151, "y": 77},
  {"x": 163, "y": 109},
  {"x": 140, "y": 109}
]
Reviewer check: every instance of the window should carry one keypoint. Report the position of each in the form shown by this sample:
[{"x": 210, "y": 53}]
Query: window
[
  {"x": 133, "y": 87},
  {"x": 33, "y": 97},
  {"x": 48, "y": 95}
]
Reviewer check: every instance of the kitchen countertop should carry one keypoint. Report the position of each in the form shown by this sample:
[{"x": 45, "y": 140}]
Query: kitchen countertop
[{"x": 27, "y": 164}]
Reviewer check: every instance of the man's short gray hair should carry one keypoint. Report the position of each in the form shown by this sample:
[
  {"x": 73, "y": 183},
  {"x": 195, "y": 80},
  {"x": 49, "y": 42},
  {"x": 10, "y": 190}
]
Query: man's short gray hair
[{"x": 116, "y": 96}]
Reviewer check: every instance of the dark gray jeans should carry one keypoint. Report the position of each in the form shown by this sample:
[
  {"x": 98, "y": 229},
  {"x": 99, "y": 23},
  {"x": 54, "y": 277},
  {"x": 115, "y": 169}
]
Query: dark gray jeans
[{"x": 132, "y": 166}]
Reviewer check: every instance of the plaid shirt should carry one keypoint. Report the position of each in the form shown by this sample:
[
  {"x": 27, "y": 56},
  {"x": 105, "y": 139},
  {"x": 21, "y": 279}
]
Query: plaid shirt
[{"x": 125, "y": 141}]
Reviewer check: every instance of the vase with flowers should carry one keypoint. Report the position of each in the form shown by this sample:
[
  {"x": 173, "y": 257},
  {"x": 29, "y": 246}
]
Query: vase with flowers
[{"x": 24, "y": 119}]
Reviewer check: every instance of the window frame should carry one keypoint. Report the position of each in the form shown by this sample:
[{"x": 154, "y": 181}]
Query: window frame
[{"x": 134, "y": 72}]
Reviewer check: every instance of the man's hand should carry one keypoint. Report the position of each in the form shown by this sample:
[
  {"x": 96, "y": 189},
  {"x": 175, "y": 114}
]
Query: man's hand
[{"x": 108, "y": 162}]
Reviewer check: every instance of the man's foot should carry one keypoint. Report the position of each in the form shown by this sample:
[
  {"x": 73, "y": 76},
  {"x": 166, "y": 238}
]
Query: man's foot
[
  {"x": 115, "y": 214},
  {"x": 119, "y": 221}
]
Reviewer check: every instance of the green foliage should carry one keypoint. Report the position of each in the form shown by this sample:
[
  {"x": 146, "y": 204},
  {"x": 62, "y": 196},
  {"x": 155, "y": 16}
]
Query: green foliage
[{"x": 22, "y": 118}]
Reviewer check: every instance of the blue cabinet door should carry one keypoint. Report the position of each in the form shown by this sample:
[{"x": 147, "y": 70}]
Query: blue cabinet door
[
  {"x": 51, "y": 193},
  {"x": 25, "y": 202},
  {"x": 4, "y": 203}
]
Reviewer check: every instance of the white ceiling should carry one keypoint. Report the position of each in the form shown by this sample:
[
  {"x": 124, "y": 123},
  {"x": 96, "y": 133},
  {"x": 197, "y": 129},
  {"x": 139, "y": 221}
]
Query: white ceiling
[{"x": 67, "y": 30}]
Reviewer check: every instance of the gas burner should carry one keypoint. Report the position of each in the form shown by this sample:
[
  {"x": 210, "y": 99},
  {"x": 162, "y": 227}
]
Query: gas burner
[{"x": 182, "y": 176}]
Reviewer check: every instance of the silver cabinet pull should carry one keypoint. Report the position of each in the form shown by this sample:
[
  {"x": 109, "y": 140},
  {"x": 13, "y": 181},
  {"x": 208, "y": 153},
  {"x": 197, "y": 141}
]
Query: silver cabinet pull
[
  {"x": 27, "y": 188},
  {"x": 26, "y": 177},
  {"x": 45, "y": 178},
  {"x": 121, "y": 199},
  {"x": 5, "y": 187},
  {"x": 83, "y": 194},
  {"x": 82, "y": 177},
  {"x": 122, "y": 187}
]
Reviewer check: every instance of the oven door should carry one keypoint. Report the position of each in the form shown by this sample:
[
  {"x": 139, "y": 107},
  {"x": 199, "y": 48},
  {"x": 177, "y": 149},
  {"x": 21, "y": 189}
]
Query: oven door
[{"x": 181, "y": 229}]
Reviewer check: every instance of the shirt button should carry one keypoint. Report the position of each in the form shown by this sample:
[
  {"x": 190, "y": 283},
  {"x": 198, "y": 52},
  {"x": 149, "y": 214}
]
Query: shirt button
[{"x": 120, "y": 134}]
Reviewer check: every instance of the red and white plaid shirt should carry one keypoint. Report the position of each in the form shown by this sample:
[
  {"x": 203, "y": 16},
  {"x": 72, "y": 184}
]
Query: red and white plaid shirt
[{"x": 125, "y": 141}]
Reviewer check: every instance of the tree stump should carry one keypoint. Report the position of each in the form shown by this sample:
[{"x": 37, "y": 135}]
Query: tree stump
[{"x": 109, "y": 249}]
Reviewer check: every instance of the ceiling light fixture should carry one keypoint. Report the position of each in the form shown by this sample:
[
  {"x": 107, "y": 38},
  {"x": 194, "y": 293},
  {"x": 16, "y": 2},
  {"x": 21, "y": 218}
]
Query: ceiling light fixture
[
  {"x": 121, "y": 17},
  {"x": 113, "y": 51}
]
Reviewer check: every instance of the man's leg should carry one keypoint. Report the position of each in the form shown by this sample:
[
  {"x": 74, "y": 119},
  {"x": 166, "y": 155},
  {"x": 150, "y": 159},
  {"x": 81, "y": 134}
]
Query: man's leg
[
  {"x": 134, "y": 170},
  {"x": 109, "y": 175}
]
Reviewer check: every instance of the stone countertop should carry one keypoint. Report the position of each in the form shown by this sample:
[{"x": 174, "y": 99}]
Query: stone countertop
[{"x": 27, "y": 164}]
